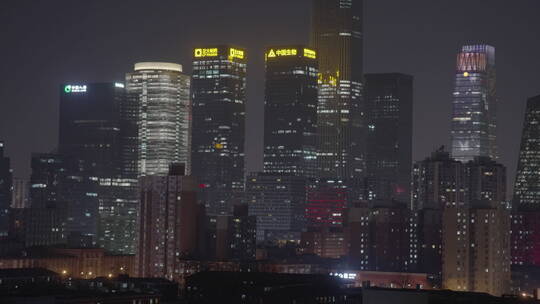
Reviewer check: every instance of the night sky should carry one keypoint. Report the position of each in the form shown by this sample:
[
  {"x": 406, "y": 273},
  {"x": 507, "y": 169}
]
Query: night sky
[{"x": 48, "y": 42}]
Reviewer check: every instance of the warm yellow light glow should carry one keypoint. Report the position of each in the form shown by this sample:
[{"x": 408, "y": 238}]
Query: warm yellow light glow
[
  {"x": 234, "y": 53},
  {"x": 218, "y": 146},
  {"x": 110, "y": 275},
  {"x": 211, "y": 52},
  {"x": 64, "y": 271},
  {"x": 466, "y": 74},
  {"x": 281, "y": 52},
  {"x": 310, "y": 54}
]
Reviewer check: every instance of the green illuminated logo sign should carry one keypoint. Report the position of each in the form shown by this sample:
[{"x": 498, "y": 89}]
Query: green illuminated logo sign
[{"x": 68, "y": 89}]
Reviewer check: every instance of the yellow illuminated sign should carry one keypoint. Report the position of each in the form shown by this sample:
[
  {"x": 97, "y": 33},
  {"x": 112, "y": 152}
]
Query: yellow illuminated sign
[
  {"x": 282, "y": 52},
  {"x": 234, "y": 53},
  {"x": 212, "y": 52},
  {"x": 310, "y": 54}
]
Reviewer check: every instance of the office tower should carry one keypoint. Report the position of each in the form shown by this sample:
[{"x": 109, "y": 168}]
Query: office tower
[
  {"x": 279, "y": 204},
  {"x": 160, "y": 93},
  {"x": 389, "y": 115},
  {"x": 219, "y": 113},
  {"x": 92, "y": 145},
  {"x": 337, "y": 35},
  {"x": 474, "y": 118},
  {"x": 476, "y": 237},
  {"x": 236, "y": 235},
  {"x": 326, "y": 201},
  {"x": 44, "y": 225},
  {"x": 5, "y": 191},
  {"x": 290, "y": 122},
  {"x": 47, "y": 178},
  {"x": 20, "y": 194},
  {"x": 438, "y": 181},
  {"x": 527, "y": 184},
  {"x": 167, "y": 223}
]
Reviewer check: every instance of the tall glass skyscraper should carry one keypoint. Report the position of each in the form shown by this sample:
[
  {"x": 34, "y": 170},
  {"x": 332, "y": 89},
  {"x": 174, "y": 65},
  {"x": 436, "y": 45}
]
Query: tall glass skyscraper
[
  {"x": 290, "y": 111},
  {"x": 100, "y": 193},
  {"x": 337, "y": 35},
  {"x": 161, "y": 92},
  {"x": 474, "y": 119},
  {"x": 277, "y": 197},
  {"x": 219, "y": 102},
  {"x": 527, "y": 185},
  {"x": 389, "y": 111}
]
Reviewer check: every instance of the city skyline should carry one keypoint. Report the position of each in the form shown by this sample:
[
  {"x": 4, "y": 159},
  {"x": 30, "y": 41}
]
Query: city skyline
[
  {"x": 359, "y": 159},
  {"x": 432, "y": 119}
]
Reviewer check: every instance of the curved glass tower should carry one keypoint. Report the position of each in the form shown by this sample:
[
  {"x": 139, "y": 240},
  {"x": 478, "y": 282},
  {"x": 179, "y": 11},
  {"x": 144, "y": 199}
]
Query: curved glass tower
[{"x": 160, "y": 94}]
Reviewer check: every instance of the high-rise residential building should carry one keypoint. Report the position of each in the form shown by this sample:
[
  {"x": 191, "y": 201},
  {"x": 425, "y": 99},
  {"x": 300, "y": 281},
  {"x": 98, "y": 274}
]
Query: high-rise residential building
[
  {"x": 219, "y": 113},
  {"x": 527, "y": 184},
  {"x": 438, "y": 181},
  {"x": 20, "y": 193},
  {"x": 380, "y": 236},
  {"x": 290, "y": 111},
  {"x": 389, "y": 118},
  {"x": 486, "y": 182},
  {"x": 278, "y": 202},
  {"x": 476, "y": 237},
  {"x": 337, "y": 35},
  {"x": 476, "y": 249},
  {"x": 160, "y": 93},
  {"x": 474, "y": 115},
  {"x": 167, "y": 222},
  {"x": 99, "y": 190},
  {"x": 6, "y": 181}
]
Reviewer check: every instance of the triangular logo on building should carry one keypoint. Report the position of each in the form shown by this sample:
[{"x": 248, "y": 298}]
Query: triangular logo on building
[{"x": 271, "y": 53}]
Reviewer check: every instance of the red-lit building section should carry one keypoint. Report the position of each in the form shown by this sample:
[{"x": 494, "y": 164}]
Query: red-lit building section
[
  {"x": 326, "y": 203},
  {"x": 525, "y": 240}
]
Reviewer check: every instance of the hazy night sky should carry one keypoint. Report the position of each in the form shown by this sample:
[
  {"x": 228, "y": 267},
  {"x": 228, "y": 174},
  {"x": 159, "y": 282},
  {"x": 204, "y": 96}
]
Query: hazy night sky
[{"x": 48, "y": 42}]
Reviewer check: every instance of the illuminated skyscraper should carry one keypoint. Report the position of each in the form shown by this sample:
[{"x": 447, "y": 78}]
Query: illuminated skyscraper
[
  {"x": 161, "y": 94},
  {"x": 474, "y": 119},
  {"x": 101, "y": 195},
  {"x": 389, "y": 111},
  {"x": 5, "y": 191},
  {"x": 526, "y": 200},
  {"x": 290, "y": 123},
  {"x": 527, "y": 185},
  {"x": 219, "y": 101},
  {"x": 337, "y": 35}
]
